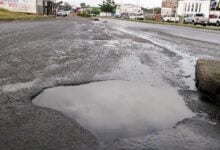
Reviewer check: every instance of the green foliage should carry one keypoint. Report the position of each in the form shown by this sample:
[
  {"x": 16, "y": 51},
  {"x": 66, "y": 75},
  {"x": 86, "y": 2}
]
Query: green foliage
[
  {"x": 84, "y": 14},
  {"x": 67, "y": 6},
  {"x": 108, "y": 6},
  {"x": 95, "y": 10}
]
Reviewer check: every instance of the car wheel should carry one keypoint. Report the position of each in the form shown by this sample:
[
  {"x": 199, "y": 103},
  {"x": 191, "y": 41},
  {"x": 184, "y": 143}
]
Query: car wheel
[
  {"x": 193, "y": 22},
  {"x": 217, "y": 24}
]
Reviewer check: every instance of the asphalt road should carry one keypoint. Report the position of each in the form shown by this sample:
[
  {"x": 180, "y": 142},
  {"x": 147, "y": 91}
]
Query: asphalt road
[{"x": 35, "y": 55}]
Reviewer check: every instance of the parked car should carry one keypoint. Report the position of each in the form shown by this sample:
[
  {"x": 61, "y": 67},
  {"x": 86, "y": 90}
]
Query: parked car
[
  {"x": 214, "y": 20},
  {"x": 198, "y": 18},
  {"x": 140, "y": 17},
  {"x": 117, "y": 16},
  {"x": 171, "y": 19},
  {"x": 136, "y": 16},
  {"x": 61, "y": 13}
]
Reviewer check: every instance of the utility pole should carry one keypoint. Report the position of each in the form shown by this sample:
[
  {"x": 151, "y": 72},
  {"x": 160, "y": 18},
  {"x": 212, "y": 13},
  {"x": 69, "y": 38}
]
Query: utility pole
[
  {"x": 153, "y": 11},
  {"x": 136, "y": 11}
]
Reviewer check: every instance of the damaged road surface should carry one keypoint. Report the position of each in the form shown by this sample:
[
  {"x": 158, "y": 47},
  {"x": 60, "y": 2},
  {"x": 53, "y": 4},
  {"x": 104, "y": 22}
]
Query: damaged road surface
[
  {"x": 105, "y": 84},
  {"x": 117, "y": 109}
]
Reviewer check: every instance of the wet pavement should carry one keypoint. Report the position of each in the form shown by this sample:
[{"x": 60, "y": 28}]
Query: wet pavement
[{"x": 71, "y": 51}]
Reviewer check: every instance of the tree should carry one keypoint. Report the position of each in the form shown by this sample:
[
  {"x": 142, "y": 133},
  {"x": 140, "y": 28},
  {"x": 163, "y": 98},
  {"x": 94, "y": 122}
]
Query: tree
[
  {"x": 83, "y": 5},
  {"x": 108, "y": 6},
  {"x": 67, "y": 6},
  {"x": 95, "y": 10}
]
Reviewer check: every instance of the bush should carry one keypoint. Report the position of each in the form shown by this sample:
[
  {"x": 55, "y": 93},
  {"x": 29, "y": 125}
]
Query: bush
[{"x": 84, "y": 14}]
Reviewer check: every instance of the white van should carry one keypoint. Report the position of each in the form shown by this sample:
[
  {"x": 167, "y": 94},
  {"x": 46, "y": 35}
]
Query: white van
[
  {"x": 171, "y": 19},
  {"x": 214, "y": 20},
  {"x": 136, "y": 16}
]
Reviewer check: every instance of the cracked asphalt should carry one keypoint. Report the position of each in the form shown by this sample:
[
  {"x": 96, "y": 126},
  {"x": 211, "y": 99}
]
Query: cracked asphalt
[{"x": 36, "y": 55}]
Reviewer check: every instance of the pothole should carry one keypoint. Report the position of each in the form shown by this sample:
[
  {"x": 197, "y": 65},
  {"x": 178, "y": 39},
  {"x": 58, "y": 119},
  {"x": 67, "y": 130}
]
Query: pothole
[{"x": 117, "y": 109}]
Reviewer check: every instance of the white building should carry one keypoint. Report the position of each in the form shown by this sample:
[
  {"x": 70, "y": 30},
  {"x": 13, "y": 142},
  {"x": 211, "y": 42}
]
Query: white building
[
  {"x": 129, "y": 10},
  {"x": 187, "y": 7},
  {"x": 27, "y": 6},
  {"x": 105, "y": 14}
]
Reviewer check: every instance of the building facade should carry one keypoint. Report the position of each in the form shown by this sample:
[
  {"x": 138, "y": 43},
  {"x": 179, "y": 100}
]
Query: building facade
[
  {"x": 215, "y": 8},
  {"x": 128, "y": 10},
  {"x": 188, "y": 7},
  {"x": 26, "y": 6},
  {"x": 168, "y": 7}
]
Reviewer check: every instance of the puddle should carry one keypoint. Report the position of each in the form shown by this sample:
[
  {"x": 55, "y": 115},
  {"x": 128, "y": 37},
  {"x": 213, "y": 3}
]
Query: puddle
[{"x": 117, "y": 109}]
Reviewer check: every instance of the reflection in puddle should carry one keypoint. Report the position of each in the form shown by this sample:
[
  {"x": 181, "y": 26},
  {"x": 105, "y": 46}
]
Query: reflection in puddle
[{"x": 117, "y": 109}]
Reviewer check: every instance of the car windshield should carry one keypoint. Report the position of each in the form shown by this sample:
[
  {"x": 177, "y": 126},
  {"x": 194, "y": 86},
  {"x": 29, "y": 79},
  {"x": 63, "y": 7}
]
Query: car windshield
[
  {"x": 199, "y": 15},
  {"x": 213, "y": 16}
]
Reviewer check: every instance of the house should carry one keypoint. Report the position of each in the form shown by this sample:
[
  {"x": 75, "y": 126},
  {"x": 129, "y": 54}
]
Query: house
[
  {"x": 168, "y": 7},
  {"x": 127, "y": 10},
  {"x": 29, "y": 6}
]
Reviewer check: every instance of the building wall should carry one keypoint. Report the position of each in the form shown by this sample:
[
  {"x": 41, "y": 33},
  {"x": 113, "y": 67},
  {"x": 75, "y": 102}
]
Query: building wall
[
  {"x": 28, "y": 6},
  {"x": 105, "y": 14},
  {"x": 168, "y": 7},
  {"x": 166, "y": 11},
  {"x": 128, "y": 9},
  {"x": 186, "y": 7},
  {"x": 169, "y": 3}
]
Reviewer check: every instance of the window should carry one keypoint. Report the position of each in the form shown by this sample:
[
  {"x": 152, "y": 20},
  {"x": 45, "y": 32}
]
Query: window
[
  {"x": 196, "y": 9},
  {"x": 200, "y": 5},
  {"x": 188, "y": 7},
  {"x": 199, "y": 15},
  {"x": 185, "y": 8},
  {"x": 192, "y": 8}
]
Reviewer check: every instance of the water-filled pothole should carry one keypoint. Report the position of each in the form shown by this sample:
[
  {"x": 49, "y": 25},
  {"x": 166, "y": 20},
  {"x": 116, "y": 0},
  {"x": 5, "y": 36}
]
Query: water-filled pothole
[{"x": 117, "y": 109}]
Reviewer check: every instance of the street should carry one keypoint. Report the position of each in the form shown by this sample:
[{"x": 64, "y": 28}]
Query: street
[{"x": 36, "y": 55}]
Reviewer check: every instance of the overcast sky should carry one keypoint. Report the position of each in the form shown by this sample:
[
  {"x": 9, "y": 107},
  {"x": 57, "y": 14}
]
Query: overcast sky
[{"x": 143, "y": 3}]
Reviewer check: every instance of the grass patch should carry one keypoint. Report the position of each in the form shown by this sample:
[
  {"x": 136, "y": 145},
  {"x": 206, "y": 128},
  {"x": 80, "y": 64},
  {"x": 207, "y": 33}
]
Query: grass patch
[{"x": 6, "y": 15}]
